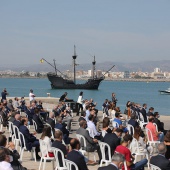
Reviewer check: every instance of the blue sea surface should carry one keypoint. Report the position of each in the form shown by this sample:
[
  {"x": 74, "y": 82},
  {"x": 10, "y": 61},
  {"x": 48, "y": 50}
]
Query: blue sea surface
[{"x": 139, "y": 92}]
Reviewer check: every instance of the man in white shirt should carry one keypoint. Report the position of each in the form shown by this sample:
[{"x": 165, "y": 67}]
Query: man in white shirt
[
  {"x": 5, "y": 159},
  {"x": 93, "y": 131},
  {"x": 31, "y": 96}
]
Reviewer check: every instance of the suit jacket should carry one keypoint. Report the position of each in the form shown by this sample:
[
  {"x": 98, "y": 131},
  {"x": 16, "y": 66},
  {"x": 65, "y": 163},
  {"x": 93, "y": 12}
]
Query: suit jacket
[
  {"x": 17, "y": 123},
  {"x": 51, "y": 122},
  {"x": 161, "y": 162},
  {"x": 143, "y": 111},
  {"x": 160, "y": 124},
  {"x": 29, "y": 138},
  {"x": 78, "y": 159},
  {"x": 40, "y": 125},
  {"x": 89, "y": 141},
  {"x": 108, "y": 167},
  {"x": 30, "y": 114},
  {"x": 62, "y": 127},
  {"x": 112, "y": 140}
]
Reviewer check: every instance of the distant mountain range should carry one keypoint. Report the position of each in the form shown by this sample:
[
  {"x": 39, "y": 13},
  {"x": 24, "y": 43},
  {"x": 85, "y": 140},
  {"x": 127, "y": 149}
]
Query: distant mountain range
[{"x": 145, "y": 66}]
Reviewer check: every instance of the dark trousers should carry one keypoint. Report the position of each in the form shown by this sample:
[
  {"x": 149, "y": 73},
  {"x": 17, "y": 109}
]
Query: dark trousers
[{"x": 79, "y": 107}]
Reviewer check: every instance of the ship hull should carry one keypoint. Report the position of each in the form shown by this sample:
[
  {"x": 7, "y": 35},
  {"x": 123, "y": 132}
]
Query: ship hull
[{"x": 58, "y": 82}]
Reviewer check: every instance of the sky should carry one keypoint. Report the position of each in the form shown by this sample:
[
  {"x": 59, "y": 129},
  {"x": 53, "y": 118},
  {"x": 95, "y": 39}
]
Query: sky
[{"x": 112, "y": 30}]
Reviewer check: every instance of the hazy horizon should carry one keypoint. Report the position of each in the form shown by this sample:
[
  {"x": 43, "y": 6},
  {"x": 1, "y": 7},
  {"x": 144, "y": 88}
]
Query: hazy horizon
[{"x": 119, "y": 31}]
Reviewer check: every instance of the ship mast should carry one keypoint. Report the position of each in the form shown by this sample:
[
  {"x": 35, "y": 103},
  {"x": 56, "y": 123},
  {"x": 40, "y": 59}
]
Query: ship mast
[
  {"x": 74, "y": 63},
  {"x": 93, "y": 68}
]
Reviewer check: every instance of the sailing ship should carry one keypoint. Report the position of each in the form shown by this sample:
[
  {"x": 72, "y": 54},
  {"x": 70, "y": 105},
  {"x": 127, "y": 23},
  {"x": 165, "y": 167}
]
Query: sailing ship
[{"x": 64, "y": 82}]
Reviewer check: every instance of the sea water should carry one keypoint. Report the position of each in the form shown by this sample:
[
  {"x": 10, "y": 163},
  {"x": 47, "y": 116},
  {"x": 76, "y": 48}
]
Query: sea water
[{"x": 139, "y": 92}]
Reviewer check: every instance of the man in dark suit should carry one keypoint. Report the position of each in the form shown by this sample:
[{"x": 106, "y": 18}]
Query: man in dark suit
[
  {"x": 58, "y": 144},
  {"x": 76, "y": 156},
  {"x": 91, "y": 143},
  {"x": 117, "y": 162},
  {"x": 38, "y": 121},
  {"x": 83, "y": 116},
  {"x": 30, "y": 139},
  {"x": 113, "y": 139},
  {"x": 17, "y": 121},
  {"x": 159, "y": 124},
  {"x": 160, "y": 160},
  {"x": 143, "y": 111},
  {"x": 51, "y": 121}
]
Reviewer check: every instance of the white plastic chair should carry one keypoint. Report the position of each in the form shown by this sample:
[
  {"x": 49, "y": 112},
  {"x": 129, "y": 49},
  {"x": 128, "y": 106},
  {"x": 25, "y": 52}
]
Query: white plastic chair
[
  {"x": 130, "y": 129},
  {"x": 16, "y": 136},
  {"x": 104, "y": 133},
  {"x": 141, "y": 121},
  {"x": 153, "y": 167},
  {"x": 90, "y": 132},
  {"x": 150, "y": 141},
  {"x": 138, "y": 151},
  {"x": 56, "y": 152},
  {"x": 150, "y": 137},
  {"x": 1, "y": 123},
  {"x": 115, "y": 124},
  {"x": 82, "y": 140},
  {"x": 23, "y": 147},
  {"x": 103, "y": 147},
  {"x": 156, "y": 126},
  {"x": 70, "y": 165},
  {"x": 10, "y": 128},
  {"x": 35, "y": 125},
  {"x": 44, "y": 155}
]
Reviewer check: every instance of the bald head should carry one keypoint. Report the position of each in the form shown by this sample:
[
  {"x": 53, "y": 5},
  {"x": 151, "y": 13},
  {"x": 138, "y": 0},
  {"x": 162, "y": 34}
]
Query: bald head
[
  {"x": 18, "y": 117},
  {"x": 162, "y": 148},
  {"x": 82, "y": 123},
  {"x": 51, "y": 115},
  {"x": 75, "y": 143}
]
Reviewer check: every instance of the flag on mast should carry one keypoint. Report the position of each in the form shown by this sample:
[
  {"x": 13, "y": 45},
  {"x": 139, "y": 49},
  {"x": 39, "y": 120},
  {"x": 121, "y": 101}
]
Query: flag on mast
[{"x": 41, "y": 61}]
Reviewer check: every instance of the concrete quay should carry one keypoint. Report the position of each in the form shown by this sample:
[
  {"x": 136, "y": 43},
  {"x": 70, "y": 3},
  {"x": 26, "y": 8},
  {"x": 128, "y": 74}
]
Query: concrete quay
[{"x": 49, "y": 102}]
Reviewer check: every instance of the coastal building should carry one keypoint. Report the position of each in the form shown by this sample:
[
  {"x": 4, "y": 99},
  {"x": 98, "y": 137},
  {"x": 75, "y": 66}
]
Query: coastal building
[{"x": 126, "y": 75}]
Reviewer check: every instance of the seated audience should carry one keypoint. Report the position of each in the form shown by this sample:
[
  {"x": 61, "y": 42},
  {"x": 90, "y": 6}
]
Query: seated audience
[
  {"x": 93, "y": 131},
  {"x": 30, "y": 139},
  {"x": 91, "y": 143},
  {"x": 46, "y": 137},
  {"x": 119, "y": 121},
  {"x": 106, "y": 129},
  {"x": 14, "y": 155},
  {"x": 83, "y": 116},
  {"x": 58, "y": 144},
  {"x": 5, "y": 159},
  {"x": 38, "y": 121},
  {"x": 160, "y": 160},
  {"x": 157, "y": 136},
  {"x": 113, "y": 139},
  {"x": 62, "y": 126},
  {"x": 159, "y": 124},
  {"x": 51, "y": 121},
  {"x": 123, "y": 149},
  {"x": 76, "y": 156},
  {"x": 116, "y": 164},
  {"x": 167, "y": 143}
]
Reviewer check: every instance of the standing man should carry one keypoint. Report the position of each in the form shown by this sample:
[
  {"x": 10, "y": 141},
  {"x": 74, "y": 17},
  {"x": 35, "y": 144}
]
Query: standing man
[
  {"x": 3, "y": 95},
  {"x": 143, "y": 111},
  {"x": 114, "y": 99},
  {"x": 31, "y": 96}
]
